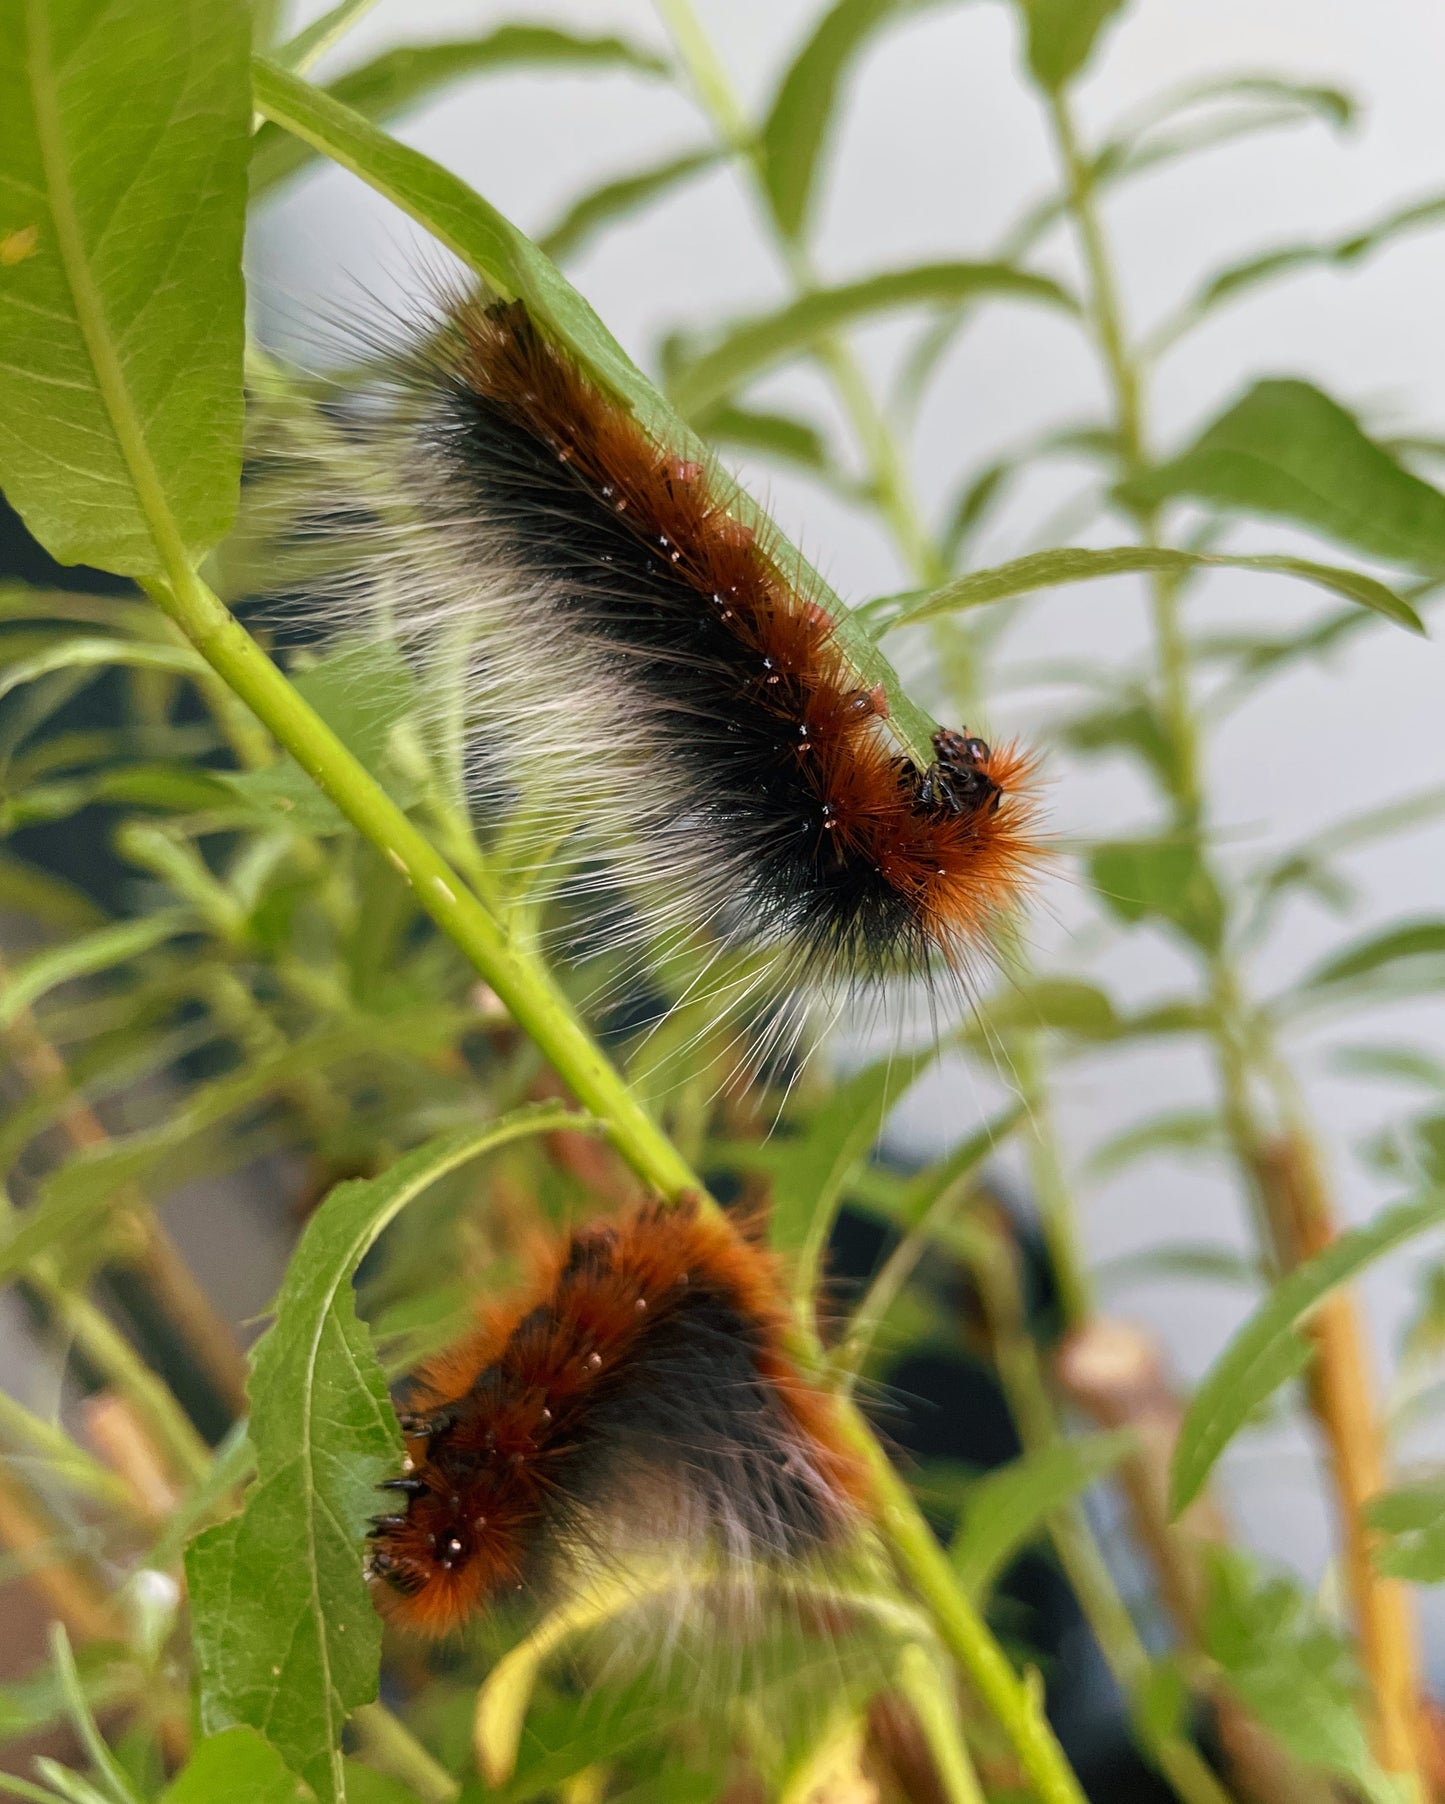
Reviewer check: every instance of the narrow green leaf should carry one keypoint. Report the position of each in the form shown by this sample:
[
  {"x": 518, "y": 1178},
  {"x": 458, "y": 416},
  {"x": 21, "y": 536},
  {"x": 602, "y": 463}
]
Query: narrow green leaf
[
  {"x": 126, "y": 139},
  {"x": 928, "y": 1207},
  {"x": 1287, "y": 450},
  {"x": 36, "y": 1702},
  {"x": 1239, "y": 278},
  {"x": 85, "y": 956},
  {"x": 287, "y": 1639},
  {"x": 1374, "y": 824},
  {"x": 755, "y": 345},
  {"x": 810, "y": 1169},
  {"x": 362, "y": 691},
  {"x": 1192, "y": 1262},
  {"x": 503, "y": 1699},
  {"x": 1011, "y": 1506},
  {"x": 115, "y": 1786},
  {"x": 622, "y": 195},
  {"x": 1164, "y": 880},
  {"x": 1269, "y": 1349},
  {"x": 1064, "y": 1004},
  {"x": 1412, "y": 1150},
  {"x": 408, "y": 76},
  {"x": 1165, "y": 1018},
  {"x": 115, "y": 613},
  {"x": 155, "y": 787},
  {"x": 973, "y": 503},
  {"x": 298, "y": 53},
  {"x": 56, "y": 905},
  {"x": 1307, "y": 867},
  {"x": 512, "y": 265},
  {"x": 1402, "y": 1064},
  {"x": 1126, "y": 721},
  {"x": 794, "y": 138},
  {"x": 920, "y": 1192},
  {"x": 235, "y": 1767},
  {"x": 1417, "y": 941},
  {"x": 1333, "y": 105},
  {"x": 1062, "y": 34},
  {"x": 1080, "y": 1011},
  {"x": 1076, "y": 564},
  {"x": 1255, "y": 104},
  {"x": 775, "y": 435},
  {"x": 1186, "y": 1130},
  {"x": 100, "y": 654},
  {"x": 1412, "y": 1520}
]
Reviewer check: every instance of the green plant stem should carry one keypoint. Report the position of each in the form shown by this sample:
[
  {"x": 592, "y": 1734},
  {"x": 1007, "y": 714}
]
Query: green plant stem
[
  {"x": 511, "y": 970},
  {"x": 530, "y": 994},
  {"x": 1017, "y": 1705},
  {"x": 391, "y": 1746},
  {"x": 936, "y": 1708},
  {"x": 1340, "y": 1394}
]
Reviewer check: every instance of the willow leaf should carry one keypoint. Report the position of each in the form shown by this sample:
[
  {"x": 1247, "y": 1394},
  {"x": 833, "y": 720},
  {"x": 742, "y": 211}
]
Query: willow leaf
[
  {"x": 127, "y": 130},
  {"x": 287, "y": 1638},
  {"x": 1416, "y": 940},
  {"x": 1062, "y": 35},
  {"x": 76, "y": 1196},
  {"x": 755, "y": 345},
  {"x": 793, "y": 141},
  {"x": 1007, "y": 1509},
  {"x": 1288, "y": 450},
  {"x": 1412, "y": 1520},
  {"x": 623, "y": 194},
  {"x": 1239, "y": 278},
  {"x": 1077, "y": 564},
  {"x": 85, "y": 956},
  {"x": 411, "y": 74},
  {"x": 1270, "y": 1349}
]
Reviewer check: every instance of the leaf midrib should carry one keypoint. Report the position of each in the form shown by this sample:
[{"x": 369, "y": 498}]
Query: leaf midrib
[
  {"x": 493, "y": 1135},
  {"x": 89, "y": 310}
]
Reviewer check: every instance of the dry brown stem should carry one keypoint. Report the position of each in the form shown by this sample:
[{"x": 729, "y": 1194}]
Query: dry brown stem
[{"x": 1342, "y": 1397}]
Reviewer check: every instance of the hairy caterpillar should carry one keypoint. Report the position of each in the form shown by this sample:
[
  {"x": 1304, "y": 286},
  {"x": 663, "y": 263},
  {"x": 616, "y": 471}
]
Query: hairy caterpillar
[
  {"x": 636, "y": 1397},
  {"x": 636, "y": 662}
]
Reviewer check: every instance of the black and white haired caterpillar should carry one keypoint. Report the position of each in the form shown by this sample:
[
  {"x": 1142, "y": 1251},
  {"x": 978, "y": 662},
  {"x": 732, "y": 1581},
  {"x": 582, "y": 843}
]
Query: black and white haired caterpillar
[{"x": 637, "y": 663}]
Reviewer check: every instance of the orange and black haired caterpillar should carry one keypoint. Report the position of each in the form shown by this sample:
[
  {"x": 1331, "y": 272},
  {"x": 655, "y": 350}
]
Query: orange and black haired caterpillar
[
  {"x": 637, "y": 1397},
  {"x": 640, "y": 652}
]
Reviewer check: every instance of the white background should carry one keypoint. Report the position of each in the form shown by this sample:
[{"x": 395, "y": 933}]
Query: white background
[{"x": 941, "y": 148}]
